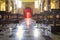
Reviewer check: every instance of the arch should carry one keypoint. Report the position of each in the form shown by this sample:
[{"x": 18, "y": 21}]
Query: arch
[{"x": 27, "y": 12}]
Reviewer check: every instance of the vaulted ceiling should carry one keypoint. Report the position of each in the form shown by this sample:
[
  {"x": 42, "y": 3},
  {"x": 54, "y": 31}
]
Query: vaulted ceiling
[
  {"x": 27, "y": 0},
  {"x": 23, "y": 0}
]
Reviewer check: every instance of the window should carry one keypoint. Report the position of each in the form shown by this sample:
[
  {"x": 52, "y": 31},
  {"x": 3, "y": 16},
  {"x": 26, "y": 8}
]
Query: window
[
  {"x": 18, "y": 3},
  {"x": 36, "y": 4}
]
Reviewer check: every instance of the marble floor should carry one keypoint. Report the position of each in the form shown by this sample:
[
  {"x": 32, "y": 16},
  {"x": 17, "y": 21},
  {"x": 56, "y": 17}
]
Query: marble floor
[{"x": 22, "y": 32}]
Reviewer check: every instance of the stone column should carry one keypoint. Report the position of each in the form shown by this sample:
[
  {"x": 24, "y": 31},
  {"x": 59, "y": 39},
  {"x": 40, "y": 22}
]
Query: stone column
[
  {"x": 7, "y": 5},
  {"x": 59, "y": 4},
  {"x": 42, "y": 5},
  {"x": 0, "y": 5},
  {"x": 46, "y": 5},
  {"x": 12, "y": 7}
]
